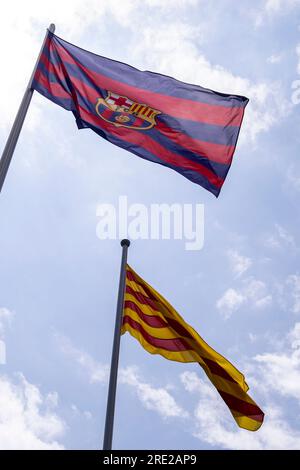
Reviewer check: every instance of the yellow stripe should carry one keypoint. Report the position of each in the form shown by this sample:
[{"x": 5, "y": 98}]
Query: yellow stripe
[
  {"x": 144, "y": 308},
  {"x": 178, "y": 356},
  {"x": 247, "y": 423},
  {"x": 136, "y": 287},
  {"x": 161, "y": 333},
  {"x": 230, "y": 387}
]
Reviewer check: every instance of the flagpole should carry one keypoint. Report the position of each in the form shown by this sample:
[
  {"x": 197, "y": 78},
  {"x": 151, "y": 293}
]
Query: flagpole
[
  {"x": 19, "y": 120},
  {"x": 112, "y": 388}
]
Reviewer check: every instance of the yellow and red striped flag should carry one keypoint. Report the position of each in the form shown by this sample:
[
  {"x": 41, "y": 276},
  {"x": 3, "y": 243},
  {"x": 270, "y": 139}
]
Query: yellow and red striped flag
[{"x": 161, "y": 330}]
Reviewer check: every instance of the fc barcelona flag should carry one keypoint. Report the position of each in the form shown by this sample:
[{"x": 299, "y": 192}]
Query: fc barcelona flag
[
  {"x": 191, "y": 129},
  {"x": 161, "y": 330}
]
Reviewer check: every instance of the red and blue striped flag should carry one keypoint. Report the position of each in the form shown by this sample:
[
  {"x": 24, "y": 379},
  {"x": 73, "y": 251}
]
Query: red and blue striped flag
[{"x": 191, "y": 129}]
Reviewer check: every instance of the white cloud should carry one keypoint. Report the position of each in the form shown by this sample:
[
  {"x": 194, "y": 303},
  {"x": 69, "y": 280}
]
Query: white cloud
[
  {"x": 263, "y": 302},
  {"x": 86, "y": 414},
  {"x": 24, "y": 27},
  {"x": 279, "y": 238},
  {"x": 174, "y": 51},
  {"x": 239, "y": 264},
  {"x": 294, "y": 336},
  {"x": 157, "y": 399},
  {"x": 281, "y": 370},
  {"x": 272, "y": 8},
  {"x": 95, "y": 371},
  {"x": 252, "y": 337},
  {"x": 293, "y": 281},
  {"x": 293, "y": 173},
  {"x": 230, "y": 301},
  {"x": 26, "y": 420},
  {"x": 252, "y": 292},
  {"x": 213, "y": 422},
  {"x": 298, "y": 55},
  {"x": 285, "y": 235},
  {"x": 254, "y": 289},
  {"x": 288, "y": 293},
  {"x": 276, "y": 6},
  {"x": 6, "y": 317},
  {"x": 274, "y": 59},
  {"x": 52, "y": 399},
  {"x": 172, "y": 48},
  {"x": 269, "y": 375},
  {"x": 171, "y": 3}
]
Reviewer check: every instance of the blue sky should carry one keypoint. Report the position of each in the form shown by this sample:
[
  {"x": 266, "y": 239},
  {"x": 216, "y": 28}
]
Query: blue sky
[{"x": 58, "y": 281}]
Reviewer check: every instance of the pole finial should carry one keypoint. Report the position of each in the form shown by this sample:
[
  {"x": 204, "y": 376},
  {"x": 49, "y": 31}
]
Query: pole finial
[
  {"x": 52, "y": 28},
  {"x": 125, "y": 242}
]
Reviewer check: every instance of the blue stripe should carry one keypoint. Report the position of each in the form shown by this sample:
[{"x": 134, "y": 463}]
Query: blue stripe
[
  {"x": 196, "y": 130},
  {"x": 66, "y": 103},
  {"x": 53, "y": 78},
  {"x": 154, "y": 82},
  {"x": 218, "y": 169}
]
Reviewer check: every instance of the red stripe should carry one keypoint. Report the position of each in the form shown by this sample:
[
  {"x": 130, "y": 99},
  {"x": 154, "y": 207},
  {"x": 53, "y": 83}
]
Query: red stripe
[
  {"x": 142, "y": 298},
  {"x": 58, "y": 71},
  {"x": 154, "y": 303},
  {"x": 54, "y": 88},
  {"x": 216, "y": 369},
  {"x": 243, "y": 407},
  {"x": 177, "y": 107},
  {"x": 216, "y": 152},
  {"x": 152, "y": 320},
  {"x": 173, "y": 345}
]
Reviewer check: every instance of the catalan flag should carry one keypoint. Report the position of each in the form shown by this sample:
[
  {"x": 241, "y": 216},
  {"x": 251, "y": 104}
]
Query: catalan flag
[
  {"x": 185, "y": 127},
  {"x": 150, "y": 319}
]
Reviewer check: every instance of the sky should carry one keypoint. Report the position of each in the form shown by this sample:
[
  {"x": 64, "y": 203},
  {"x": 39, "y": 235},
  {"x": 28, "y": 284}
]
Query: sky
[{"x": 59, "y": 281}]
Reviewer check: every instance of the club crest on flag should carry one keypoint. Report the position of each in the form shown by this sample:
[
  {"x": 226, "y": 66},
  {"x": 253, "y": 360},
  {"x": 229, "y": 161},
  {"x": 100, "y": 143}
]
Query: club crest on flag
[{"x": 123, "y": 112}]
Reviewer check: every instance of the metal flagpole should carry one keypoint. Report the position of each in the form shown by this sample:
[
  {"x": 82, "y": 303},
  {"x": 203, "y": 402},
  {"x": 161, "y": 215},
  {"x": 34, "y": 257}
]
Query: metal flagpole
[
  {"x": 19, "y": 120},
  {"x": 112, "y": 388}
]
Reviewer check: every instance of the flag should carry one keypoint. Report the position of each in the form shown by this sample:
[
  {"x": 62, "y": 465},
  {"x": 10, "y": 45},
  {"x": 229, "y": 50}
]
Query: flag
[
  {"x": 191, "y": 129},
  {"x": 150, "y": 319}
]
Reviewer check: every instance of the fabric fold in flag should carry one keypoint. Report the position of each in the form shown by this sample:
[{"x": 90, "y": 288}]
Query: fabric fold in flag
[
  {"x": 150, "y": 319},
  {"x": 188, "y": 128}
]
